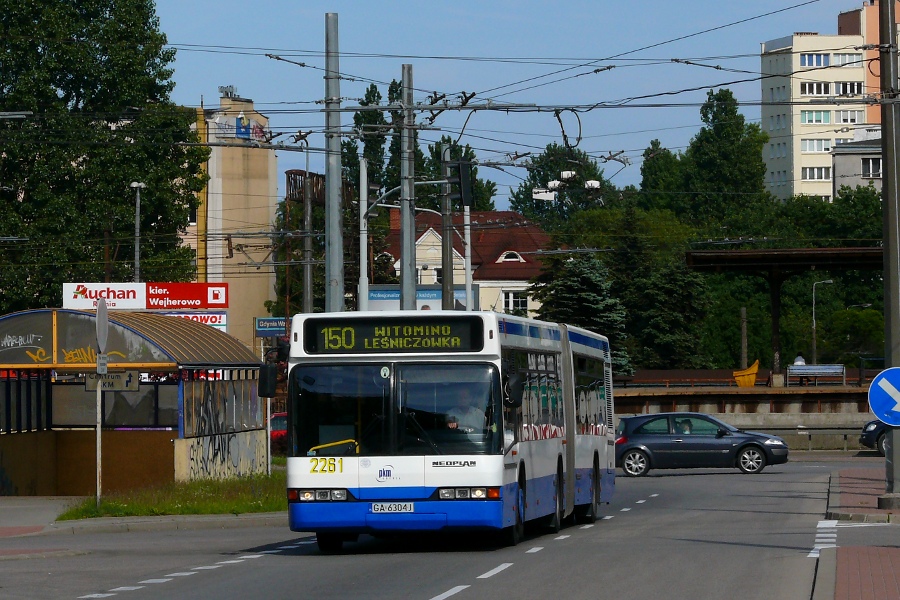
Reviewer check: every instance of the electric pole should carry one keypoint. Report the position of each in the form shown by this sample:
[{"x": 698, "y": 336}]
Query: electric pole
[
  {"x": 407, "y": 196},
  {"x": 334, "y": 237}
]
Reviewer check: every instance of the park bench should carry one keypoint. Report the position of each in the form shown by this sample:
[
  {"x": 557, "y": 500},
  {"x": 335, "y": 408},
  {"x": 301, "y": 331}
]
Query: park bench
[{"x": 814, "y": 372}]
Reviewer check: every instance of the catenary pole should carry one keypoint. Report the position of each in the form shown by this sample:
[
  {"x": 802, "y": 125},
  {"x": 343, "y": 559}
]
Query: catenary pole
[
  {"x": 447, "y": 299},
  {"x": 891, "y": 235},
  {"x": 362, "y": 293},
  {"x": 334, "y": 243},
  {"x": 407, "y": 196}
]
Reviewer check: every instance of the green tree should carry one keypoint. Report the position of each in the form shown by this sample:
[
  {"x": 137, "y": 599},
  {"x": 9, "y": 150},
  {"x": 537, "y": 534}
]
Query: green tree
[
  {"x": 572, "y": 198},
  {"x": 96, "y": 79},
  {"x": 722, "y": 169},
  {"x": 661, "y": 180},
  {"x": 483, "y": 190},
  {"x": 578, "y": 291}
]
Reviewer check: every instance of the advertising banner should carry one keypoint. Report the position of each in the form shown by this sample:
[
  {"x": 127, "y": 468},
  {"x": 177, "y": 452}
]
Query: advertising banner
[
  {"x": 146, "y": 296},
  {"x": 213, "y": 318}
]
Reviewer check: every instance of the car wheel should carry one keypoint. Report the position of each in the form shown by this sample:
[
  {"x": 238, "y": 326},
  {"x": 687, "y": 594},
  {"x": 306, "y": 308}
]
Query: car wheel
[
  {"x": 751, "y": 460},
  {"x": 635, "y": 463},
  {"x": 329, "y": 543},
  {"x": 880, "y": 445},
  {"x": 589, "y": 513},
  {"x": 556, "y": 519},
  {"x": 511, "y": 536}
]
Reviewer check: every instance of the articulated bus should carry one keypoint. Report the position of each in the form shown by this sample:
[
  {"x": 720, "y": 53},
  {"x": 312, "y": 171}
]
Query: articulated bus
[{"x": 408, "y": 421}]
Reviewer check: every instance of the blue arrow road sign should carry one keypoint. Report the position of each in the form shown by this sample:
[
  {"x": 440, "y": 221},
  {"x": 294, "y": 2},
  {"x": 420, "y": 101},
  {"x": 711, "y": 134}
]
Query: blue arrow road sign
[{"x": 884, "y": 396}]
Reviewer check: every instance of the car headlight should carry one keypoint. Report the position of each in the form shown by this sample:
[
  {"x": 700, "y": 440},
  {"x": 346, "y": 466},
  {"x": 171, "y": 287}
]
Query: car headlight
[
  {"x": 774, "y": 442},
  {"x": 870, "y": 426}
]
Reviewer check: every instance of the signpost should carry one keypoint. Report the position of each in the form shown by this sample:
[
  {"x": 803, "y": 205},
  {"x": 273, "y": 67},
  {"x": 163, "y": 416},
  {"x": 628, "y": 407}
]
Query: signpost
[
  {"x": 123, "y": 381},
  {"x": 884, "y": 396},
  {"x": 102, "y": 361}
]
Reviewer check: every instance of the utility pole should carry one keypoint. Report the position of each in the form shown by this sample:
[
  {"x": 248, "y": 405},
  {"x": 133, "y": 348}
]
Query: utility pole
[
  {"x": 891, "y": 235},
  {"x": 362, "y": 292},
  {"x": 447, "y": 299},
  {"x": 307, "y": 240},
  {"x": 334, "y": 238},
  {"x": 407, "y": 195}
]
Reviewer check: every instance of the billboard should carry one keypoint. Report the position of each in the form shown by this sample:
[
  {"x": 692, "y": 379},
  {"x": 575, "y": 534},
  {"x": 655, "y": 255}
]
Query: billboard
[
  {"x": 146, "y": 296},
  {"x": 428, "y": 297}
]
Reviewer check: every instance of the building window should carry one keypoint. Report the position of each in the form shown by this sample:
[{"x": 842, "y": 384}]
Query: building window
[
  {"x": 515, "y": 303},
  {"x": 816, "y": 173},
  {"x": 815, "y": 88},
  {"x": 839, "y": 141},
  {"x": 815, "y": 145},
  {"x": 510, "y": 256},
  {"x": 849, "y": 116},
  {"x": 871, "y": 168},
  {"x": 439, "y": 275},
  {"x": 848, "y": 88},
  {"x": 814, "y": 60},
  {"x": 851, "y": 59},
  {"x": 808, "y": 117}
]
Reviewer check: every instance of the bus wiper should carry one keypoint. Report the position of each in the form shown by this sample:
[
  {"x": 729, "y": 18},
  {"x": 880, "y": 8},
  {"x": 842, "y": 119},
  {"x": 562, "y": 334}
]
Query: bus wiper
[{"x": 411, "y": 416}]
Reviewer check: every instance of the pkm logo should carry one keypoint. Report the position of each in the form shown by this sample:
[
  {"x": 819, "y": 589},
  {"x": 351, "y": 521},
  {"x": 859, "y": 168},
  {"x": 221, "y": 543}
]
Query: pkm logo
[{"x": 385, "y": 473}]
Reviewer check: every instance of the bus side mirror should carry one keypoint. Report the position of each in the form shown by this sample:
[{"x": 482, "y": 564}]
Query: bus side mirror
[
  {"x": 515, "y": 388},
  {"x": 268, "y": 375}
]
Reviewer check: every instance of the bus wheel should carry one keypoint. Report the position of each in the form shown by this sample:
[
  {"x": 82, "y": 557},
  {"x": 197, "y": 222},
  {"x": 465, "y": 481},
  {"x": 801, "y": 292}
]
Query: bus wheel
[
  {"x": 515, "y": 533},
  {"x": 329, "y": 543},
  {"x": 589, "y": 513},
  {"x": 556, "y": 519}
]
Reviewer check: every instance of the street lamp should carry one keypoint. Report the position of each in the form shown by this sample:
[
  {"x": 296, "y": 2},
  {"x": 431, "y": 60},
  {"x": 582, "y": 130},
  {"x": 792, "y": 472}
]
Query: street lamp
[
  {"x": 814, "y": 357},
  {"x": 137, "y": 186}
]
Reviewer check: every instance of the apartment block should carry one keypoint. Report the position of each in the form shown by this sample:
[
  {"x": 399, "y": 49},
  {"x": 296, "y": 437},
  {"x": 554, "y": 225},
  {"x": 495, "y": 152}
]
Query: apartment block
[{"x": 817, "y": 90}]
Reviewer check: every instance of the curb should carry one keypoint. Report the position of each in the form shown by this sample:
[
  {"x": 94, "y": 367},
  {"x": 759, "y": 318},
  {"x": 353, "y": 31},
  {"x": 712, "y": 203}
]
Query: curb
[{"x": 165, "y": 523}]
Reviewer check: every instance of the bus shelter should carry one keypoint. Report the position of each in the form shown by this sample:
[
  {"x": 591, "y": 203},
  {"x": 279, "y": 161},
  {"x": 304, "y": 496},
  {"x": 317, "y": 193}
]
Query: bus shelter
[{"x": 180, "y": 402}]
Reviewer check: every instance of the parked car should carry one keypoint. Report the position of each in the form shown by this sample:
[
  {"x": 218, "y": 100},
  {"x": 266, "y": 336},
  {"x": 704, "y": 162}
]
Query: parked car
[
  {"x": 873, "y": 434},
  {"x": 681, "y": 440},
  {"x": 278, "y": 422}
]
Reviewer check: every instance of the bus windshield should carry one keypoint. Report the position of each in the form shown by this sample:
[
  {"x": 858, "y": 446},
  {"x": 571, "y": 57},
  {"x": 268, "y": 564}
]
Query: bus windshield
[{"x": 395, "y": 409}]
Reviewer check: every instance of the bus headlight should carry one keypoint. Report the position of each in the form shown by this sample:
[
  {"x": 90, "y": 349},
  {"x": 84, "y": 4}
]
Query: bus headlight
[{"x": 316, "y": 495}]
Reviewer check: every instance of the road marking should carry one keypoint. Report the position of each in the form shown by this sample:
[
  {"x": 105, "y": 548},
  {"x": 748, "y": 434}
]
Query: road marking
[
  {"x": 562, "y": 537},
  {"x": 862, "y": 524},
  {"x": 252, "y": 556},
  {"x": 654, "y": 495},
  {"x": 154, "y": 581},
  {"x": 127, "y": 588},
  {"x": 206, "y": 568},
  {"x": 229, "y": 562},
  {"x": 827, "y": 524},
  {"x": 586, "y": 526},
  {"x": 640, "y": 501},
  {"x": 625, "y": 510},
  {"x": 287, "y": 547},
  {"x": 608, "y": 517},
  {"x": 493, "y": 572},
  {"x": 181, "y": 574},
  {"x": 450, "y": 592},
  {"x": 535, "y": 549},
  {"x": 96, "y": 596}
]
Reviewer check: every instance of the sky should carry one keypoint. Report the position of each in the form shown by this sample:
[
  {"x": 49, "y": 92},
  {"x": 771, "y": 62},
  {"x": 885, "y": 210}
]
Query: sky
[{"x": 529, "y": 56}]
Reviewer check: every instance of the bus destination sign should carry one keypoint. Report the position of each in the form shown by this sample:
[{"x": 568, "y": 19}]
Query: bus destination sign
[{"x": 389, "y": 335}]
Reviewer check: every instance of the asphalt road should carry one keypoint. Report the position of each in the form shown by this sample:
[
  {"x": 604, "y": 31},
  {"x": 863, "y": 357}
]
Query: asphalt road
[{"x": 673, "y": 534}]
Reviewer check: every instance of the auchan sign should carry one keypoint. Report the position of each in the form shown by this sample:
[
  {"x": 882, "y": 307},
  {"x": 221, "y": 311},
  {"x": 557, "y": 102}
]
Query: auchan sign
[{"x": 146, "y": 296}]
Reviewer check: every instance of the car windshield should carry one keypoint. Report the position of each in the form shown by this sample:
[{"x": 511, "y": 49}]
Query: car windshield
[
  {"x": 395, "y": 409},
  {"x": 279, "y": 422}
]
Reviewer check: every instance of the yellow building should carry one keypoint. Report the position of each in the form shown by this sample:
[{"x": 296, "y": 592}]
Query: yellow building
[{"x": 232, "y": 231}]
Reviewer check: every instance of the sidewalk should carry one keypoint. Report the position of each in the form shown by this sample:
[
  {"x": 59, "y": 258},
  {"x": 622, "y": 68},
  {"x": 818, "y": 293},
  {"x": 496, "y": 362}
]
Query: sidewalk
[{"x": 858, "y": 572}]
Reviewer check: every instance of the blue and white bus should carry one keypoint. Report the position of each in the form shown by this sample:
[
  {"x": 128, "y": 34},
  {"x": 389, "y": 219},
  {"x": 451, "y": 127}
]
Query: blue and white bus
[{"x": 411, "y": 421}]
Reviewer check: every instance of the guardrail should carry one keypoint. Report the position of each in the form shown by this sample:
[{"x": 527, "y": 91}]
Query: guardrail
[{"x": 841, "y": 431}]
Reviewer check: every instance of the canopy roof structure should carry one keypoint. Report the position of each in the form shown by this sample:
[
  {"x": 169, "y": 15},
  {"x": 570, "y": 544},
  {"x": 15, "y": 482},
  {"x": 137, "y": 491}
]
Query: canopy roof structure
[
  {"x": 777, "y": 264},
  {"x": 66, "y": 340}
]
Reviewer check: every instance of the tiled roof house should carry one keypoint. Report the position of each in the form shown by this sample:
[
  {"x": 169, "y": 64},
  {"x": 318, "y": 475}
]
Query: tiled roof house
[{"x": 506, "y": 251}]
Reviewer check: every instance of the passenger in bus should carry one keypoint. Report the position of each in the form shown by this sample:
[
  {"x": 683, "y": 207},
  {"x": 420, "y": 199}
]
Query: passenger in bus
[{"x": 466, "y": 415}]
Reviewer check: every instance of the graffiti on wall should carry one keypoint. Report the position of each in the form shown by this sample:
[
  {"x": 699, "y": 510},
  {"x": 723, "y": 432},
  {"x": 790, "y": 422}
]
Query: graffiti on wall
[{"x": 218, "y": 451}]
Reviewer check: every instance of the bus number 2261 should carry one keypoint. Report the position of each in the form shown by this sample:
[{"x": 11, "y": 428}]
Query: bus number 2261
[{"x": 326, "y": 465}]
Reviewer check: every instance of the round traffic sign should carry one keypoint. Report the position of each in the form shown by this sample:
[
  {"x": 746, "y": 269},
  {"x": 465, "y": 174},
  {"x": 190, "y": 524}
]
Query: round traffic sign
[{"x": 884, "y": 396}]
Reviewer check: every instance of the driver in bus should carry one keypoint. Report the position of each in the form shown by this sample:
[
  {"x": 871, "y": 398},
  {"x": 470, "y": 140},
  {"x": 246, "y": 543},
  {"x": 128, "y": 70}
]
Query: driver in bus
[{"x": 465, "y": 415}]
